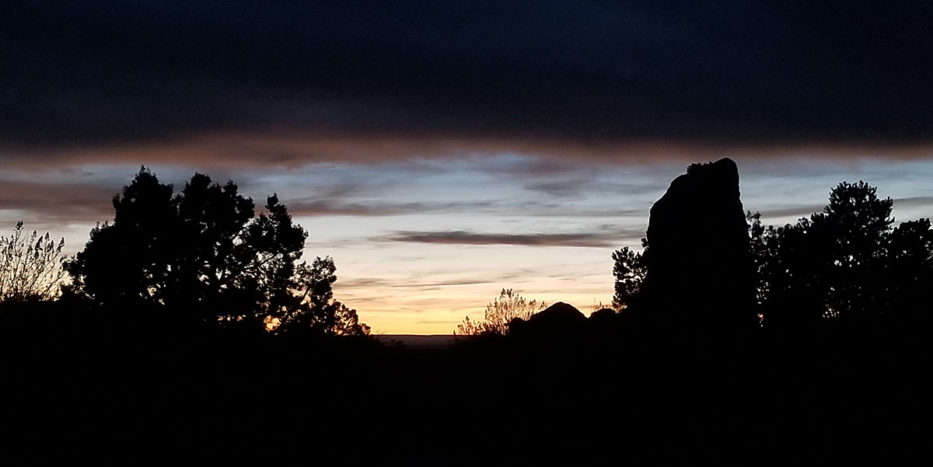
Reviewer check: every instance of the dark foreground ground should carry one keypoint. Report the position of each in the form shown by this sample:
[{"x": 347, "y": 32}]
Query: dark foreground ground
[{"x": 107, "y": 390}]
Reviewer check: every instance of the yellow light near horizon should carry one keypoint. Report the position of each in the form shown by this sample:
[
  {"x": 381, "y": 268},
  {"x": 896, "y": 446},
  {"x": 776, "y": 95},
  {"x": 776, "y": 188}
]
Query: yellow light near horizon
[{"x": 397, "y": 316}]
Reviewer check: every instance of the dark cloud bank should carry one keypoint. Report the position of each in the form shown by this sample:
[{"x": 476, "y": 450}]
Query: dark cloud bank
[{"x": 92, "y": 73}]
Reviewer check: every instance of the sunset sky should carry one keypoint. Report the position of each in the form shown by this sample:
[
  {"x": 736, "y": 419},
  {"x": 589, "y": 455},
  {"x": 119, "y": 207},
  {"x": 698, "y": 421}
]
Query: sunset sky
[{"x": 443, "y": 150}]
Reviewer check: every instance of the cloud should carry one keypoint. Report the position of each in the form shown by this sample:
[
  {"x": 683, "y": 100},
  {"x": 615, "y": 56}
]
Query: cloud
[
  {"x": 593, "y": 183},
  {"x": 331, "y": 207},
  {"x": 796, "y": 211},
  {"x": 338, "y": 208},
  {"x": 558, "y": 188},
  {"x": 326, "y": 207},
  {"x": 914, "y": 201},
  {"x": 462, "y": 237},
  {"x": 371, "y": 282},
  {"x": 278, "y": 149},
  {"x": 381, "y": 191},
  {"x": 95, "y": 78},
  {"x": 57, "y": 202}
]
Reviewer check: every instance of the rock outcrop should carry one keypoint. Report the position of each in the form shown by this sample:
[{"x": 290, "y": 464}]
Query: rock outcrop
[
  {"x": 559, "y": 320},
  {"x": 700, "y": 269},
  {"x": 558, "y": 315}
]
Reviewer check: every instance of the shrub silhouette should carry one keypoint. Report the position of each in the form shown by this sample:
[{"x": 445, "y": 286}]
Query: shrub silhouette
[
  {"x": 499, "y": 314},
  {"x": 202, "y": 252},
  {"x": 30, "y": 266}
]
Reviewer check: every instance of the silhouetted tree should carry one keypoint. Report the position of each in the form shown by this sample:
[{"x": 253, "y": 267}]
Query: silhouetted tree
[
  {"x": 853, "y": 228},
  {"x": 30, "y": 266},
  {"x": 310, "y": 304},
  {"x": 788, "y": 281},
  {"x": 499, "y": 313},
  {"x": 629, "y": 269},
  {"x": 842, "y": 263},
  {"x": 128, "y": 260},
  {"x": 202, "y": 251},
  {"x": 910, "y": 272},
  {"x": 760, "y": 239}
]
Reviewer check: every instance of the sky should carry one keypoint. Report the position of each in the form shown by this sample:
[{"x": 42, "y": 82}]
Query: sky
[{"x": 440, "y": 151}]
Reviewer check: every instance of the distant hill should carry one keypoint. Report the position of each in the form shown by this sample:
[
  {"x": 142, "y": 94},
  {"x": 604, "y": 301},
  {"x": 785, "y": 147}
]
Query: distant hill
[{"x": 417, "y": 340}]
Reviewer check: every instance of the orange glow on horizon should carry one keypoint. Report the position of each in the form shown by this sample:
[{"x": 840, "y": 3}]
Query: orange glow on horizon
[{"x": 386, "y": 317}]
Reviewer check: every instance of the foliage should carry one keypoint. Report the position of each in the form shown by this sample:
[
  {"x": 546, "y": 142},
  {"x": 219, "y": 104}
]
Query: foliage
[
  {"x": 202, "y": 251},
  {"x": 842, "y": 263},
  {"x": 854, "y": 228},
  {"x": 909, "y": 263},
  {"x": 629, "y": 269},
  {"x": 761, "y": 245},
  {"x": 30, "y": 266},
  {"x": 509, "y": 305},
  {"x": 312, "y": 303}
]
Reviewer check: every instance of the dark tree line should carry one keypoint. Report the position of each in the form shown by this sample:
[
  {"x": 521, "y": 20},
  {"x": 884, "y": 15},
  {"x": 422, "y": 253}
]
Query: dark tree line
[
  {"x": 846, "y": 263},
  {"x": 205, "y": 254}
]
